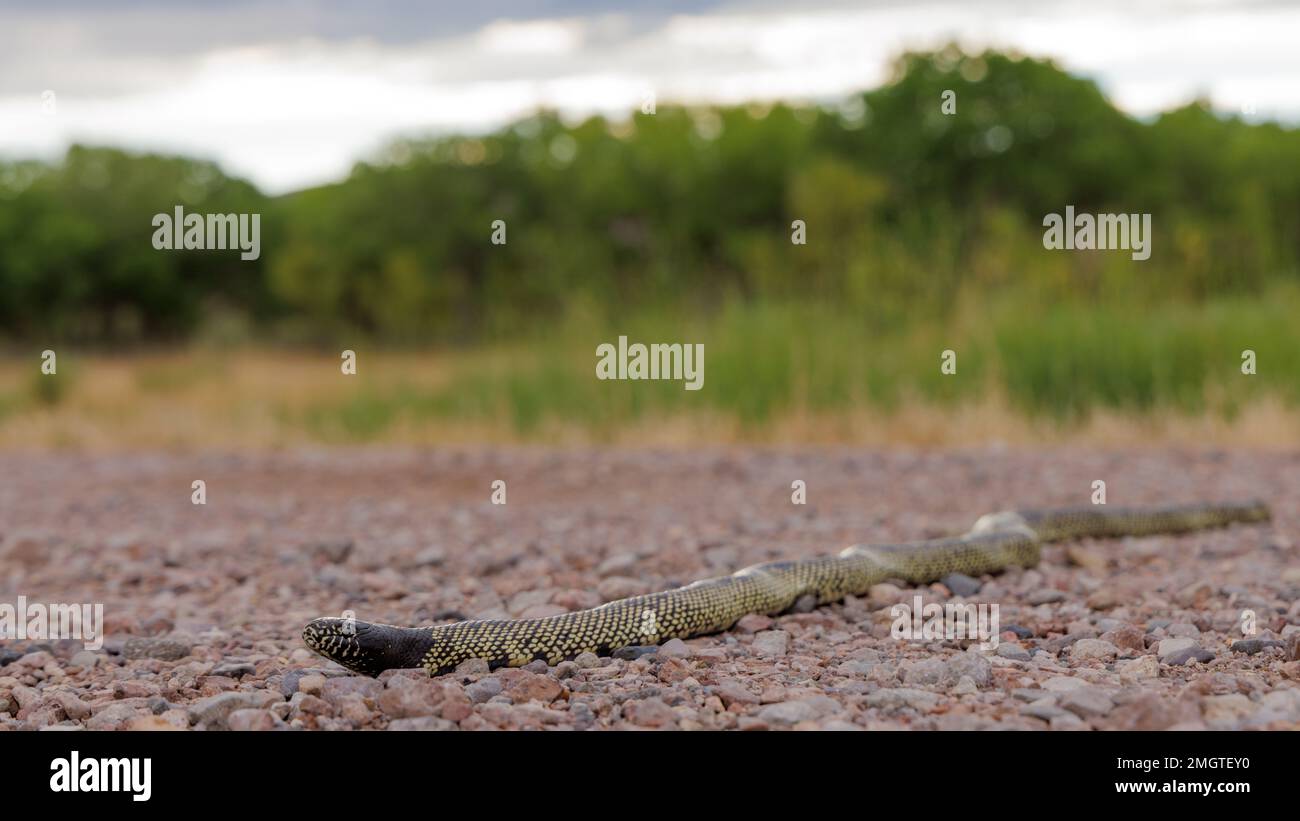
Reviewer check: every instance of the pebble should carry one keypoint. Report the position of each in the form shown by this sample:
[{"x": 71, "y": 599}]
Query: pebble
[
  {"x": 483, "y": 689},
  {"x": 1045, "y": 595},
  {"x": 961, "y": 585},
  {"x": 163, "y": 649},
  {"x": 1190, "y": 654},
  {"x": 1093, "y": 650},
  {"x": 771, "y": 643},
  {"x": 1252, "y": 646},
  {"x": 674, "y": 649},
  {"x": 1168, "y": 648},
  {"x": 1013, "y": 651},
  {"x": 587, "y": 661},
  {"x": 213, "y": 711},
  {"x": 650, "y": 712},
  {"x": 897, "y": 698},
  {"x": 533, "y": 687},
  {"x": 635, "y": 651},
  {"x": 1087, "y": 702}
]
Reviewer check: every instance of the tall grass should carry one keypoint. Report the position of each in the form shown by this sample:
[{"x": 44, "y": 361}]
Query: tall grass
[{"x": 764, "y": 362}]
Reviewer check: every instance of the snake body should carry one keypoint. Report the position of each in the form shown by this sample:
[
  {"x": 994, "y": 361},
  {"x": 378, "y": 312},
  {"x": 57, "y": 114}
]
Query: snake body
[{"x": 997, "y": 541}]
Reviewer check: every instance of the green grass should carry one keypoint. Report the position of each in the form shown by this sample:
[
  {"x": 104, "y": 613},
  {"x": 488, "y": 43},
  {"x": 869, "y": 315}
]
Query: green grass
[{"x": 1059, "y": 362}]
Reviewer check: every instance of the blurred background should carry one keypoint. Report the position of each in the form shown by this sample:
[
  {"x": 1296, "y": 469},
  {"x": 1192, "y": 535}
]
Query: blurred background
[{"x": 648, "y": 162}]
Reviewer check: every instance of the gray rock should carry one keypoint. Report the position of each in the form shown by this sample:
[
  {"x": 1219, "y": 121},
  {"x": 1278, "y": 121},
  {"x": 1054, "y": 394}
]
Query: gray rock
[
  {"x": 961, "y": 585},
  {"x": 1252, "y": 646},
  {"x": 161, "y": 648},
  {"x": 973, "y": 665},
  {"x": 1190, "y": 654},
  {"x": 1168, "y": 648},
  {"x": 924, "y": 673},
  {"x": 236, "y": 670},
  {"x": 674, "y": 649},
  {"x": 1045, "y": 595},
  {"x": 423, "y": 724},
  {"x": 1093, "y": 650},
  {"x": 1013, "y": 651},
  {"x": 804, "y": 709},
  {"x": 1087, "y": 702},
  {"x": 771, "y": 643},
  {"x": 1044, "y": 708},
  {"x": 634, "y": 652},
  {"x": 483, "y": 689},
  {"x": 335, "y": 551},
  {"x": 587, "y": 661},
  {"x": 897, "y": 698},
  {"x": 213, "y": 711}
]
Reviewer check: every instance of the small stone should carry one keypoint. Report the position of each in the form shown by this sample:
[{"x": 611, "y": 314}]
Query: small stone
[
  {"x": 247, "y": 720},
  {"x": 422, "y": 724},
  {"x": 1142, "y": 668},
  {"x": 961, "y": 585},
  {"x": 431, "y": 556},
  {"x": 149, "y": 647},
  {"x": 897, "y": 698},
  {"x": 792, "y": 712},
  {"x": 732, "y": 691},
  {"x": 1063, "y": 684},
  {"x": 674, "y": 649},
  {"x": 1018, "y": 631},
  {"x": 1013, "y": 651},
  {"x": 85, "y": 659},
  {"x": 1087, "y": 702},
  {"x": 234, "y": 670},
  {"x": 635, "y": 651},
  {"x": 1093, "y": 650},
  {"x": 312, "y": 684},
  {"x": 213, "y": 711},
  {"x": 1168, "y": 648},
  {"x": 972, "y": 665},
  {"x": 650, "y": 712},
  {"x": 1182, "y": 657},
  {"x": 483, "y": 689},
  {"x": 1045, "y": 595},
  {"x": 771, "y": 643},
  {"x": 587, "y": 661},
  {"x": 534, "y": 687},
  {"x": 805, "y": 604},
  {"x": 1044, "y": 708},
  {"x": 1252, "y": 646},
  {"x": 965, "y": 687},
  {"x": 620, "y": 564},
  {"x": 754, "y": 623},
  {"x": 473, "y": 667},
  {"x": 335, "y": 551},
  {"x": 566, "y": 669},
  {"x": 1088, "y": 559}
]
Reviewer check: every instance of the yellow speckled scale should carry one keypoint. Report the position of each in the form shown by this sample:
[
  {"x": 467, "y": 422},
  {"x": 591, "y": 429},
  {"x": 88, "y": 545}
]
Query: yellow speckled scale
[{"x": 996, "y": 542}]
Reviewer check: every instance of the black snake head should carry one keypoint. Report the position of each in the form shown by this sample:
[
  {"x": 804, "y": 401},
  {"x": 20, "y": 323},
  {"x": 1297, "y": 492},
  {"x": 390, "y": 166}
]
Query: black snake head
[{"x": 364, "y": 647}]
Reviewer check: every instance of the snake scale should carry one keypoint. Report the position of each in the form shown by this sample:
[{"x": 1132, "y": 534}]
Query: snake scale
[{"x": 997, "y": 541}]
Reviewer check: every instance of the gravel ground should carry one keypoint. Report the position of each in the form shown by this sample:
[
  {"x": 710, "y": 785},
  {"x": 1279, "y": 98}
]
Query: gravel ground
[{"x": 204, "y": 604}]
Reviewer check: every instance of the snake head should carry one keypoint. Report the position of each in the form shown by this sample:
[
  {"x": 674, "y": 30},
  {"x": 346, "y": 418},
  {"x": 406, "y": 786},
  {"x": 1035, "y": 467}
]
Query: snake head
[{"x": 364, "y": 647}]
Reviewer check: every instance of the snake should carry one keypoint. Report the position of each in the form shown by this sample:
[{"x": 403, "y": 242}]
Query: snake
[{"x": 997, "y": 541}]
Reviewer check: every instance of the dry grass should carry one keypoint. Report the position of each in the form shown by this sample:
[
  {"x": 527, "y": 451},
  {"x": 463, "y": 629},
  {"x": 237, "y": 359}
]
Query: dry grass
[{"x": 259, "y": 400}]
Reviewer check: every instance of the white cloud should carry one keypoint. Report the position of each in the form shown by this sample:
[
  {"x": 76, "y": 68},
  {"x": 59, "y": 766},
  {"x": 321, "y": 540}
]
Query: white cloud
[{"x": 295, "y": 113}]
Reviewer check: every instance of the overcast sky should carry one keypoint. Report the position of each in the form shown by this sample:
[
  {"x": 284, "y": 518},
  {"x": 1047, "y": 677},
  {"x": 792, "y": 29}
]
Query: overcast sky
[{"x": 290, "y": 94}]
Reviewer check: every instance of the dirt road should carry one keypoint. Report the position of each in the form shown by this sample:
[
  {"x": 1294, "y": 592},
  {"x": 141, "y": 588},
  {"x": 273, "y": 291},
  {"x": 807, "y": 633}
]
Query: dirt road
[{"x": 203, "y": 604}]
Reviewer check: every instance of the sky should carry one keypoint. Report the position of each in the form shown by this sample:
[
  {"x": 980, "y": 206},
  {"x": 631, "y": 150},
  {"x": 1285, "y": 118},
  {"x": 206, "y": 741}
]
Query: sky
[{"x": 291, "y": 94}]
